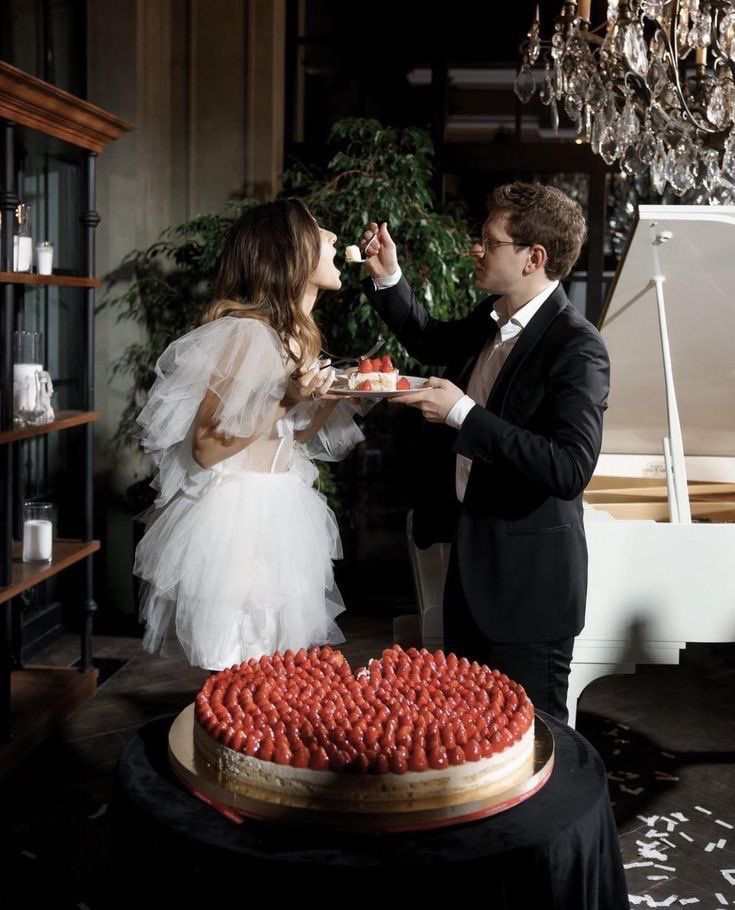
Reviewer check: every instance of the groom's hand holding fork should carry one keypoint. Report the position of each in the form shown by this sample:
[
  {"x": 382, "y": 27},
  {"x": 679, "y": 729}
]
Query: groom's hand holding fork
[{"x": 438, "y": 396}]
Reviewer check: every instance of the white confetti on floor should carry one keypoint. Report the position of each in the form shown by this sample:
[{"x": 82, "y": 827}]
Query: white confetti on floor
[{"x": 661, "y": 836}]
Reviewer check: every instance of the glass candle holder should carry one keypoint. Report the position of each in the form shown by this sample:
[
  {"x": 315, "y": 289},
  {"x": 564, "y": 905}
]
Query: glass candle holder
[
  {"x": 44, "y": 257},
  {"x": 22, "y": 239},
  {"x": 38, "y": 531},
  {"x": 27, "y": 370}
]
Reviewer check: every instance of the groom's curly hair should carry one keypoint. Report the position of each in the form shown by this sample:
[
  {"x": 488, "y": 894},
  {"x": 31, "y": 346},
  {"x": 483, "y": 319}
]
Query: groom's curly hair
[{"x": 544, "y": 215}]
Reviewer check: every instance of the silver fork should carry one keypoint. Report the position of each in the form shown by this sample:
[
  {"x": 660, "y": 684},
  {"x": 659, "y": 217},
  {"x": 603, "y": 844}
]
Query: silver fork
[
  {"x": 340, "y": 361},
  {"x": 365, "y": 248}
]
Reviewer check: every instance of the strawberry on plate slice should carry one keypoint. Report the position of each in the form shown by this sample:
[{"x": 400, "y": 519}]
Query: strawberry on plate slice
[
  {"x": 403, "y": 383},
  {"x": 366, "y": 386}
]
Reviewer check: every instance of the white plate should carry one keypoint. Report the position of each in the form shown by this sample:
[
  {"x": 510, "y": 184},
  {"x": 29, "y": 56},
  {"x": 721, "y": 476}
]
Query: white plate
[{"x": 416, "y": 383}]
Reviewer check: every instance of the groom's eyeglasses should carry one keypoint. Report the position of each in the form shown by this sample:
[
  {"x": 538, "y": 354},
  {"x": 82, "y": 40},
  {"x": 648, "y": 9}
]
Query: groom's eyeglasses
[{"x": 490, "y": 243}]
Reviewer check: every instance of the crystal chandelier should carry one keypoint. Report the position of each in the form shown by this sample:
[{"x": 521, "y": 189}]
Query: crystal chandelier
[{"x": 628, "y": 90}]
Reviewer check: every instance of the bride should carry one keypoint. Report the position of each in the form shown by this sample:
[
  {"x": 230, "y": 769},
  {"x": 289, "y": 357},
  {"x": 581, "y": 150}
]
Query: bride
[{"x": 237, "y": 556}]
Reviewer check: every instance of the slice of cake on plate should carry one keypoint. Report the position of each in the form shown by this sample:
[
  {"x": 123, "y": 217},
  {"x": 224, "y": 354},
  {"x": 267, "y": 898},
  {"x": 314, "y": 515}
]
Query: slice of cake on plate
[{"x": 378, "y": 375}]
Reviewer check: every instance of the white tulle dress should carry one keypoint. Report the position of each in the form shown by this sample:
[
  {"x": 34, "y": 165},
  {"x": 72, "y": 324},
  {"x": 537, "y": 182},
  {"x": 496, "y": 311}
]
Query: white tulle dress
[{"x": 236, "y": 560}]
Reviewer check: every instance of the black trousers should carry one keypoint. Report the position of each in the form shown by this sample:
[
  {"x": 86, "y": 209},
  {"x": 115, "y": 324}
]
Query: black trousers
[{"x": 541, "y": 667}]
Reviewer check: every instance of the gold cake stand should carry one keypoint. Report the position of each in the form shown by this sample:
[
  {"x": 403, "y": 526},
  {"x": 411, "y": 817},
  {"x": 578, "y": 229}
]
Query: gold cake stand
[{"x": 202, "y": 780}]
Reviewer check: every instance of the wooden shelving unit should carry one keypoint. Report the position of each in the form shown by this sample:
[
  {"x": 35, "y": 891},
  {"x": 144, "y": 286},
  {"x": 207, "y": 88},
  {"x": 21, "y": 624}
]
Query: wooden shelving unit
[
  {"x": 42, "y": 697},
  {"x": 33, "y": 699},
  {"x": 59, "y": 281},
  {"x": 26, "y": 574},
  {"x": 64, "y": 421}
]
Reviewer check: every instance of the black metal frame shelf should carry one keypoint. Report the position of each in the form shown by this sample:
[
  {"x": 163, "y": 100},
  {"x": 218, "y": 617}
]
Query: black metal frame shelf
[{"x": 28, "y": 103}]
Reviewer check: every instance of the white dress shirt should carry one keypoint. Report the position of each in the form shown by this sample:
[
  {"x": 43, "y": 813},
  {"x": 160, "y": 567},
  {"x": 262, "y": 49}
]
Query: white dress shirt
[
  {"x": 382, "y": 284},
  {"x": 486, "y": 371}
]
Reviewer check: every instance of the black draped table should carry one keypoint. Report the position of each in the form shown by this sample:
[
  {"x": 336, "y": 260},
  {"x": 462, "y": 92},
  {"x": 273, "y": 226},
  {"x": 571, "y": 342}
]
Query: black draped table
[{"x": 559, "y": 849}]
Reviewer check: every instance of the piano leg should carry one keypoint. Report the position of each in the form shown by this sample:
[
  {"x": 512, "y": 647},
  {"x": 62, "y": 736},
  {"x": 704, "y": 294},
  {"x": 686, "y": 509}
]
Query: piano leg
[
  {"x": 596, "y": 658},
  {"x": 582, "y": 674}
]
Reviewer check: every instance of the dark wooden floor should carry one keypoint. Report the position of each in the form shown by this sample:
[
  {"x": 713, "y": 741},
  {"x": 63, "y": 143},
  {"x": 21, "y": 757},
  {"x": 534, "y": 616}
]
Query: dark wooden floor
[{"x": 667, "y": 736}]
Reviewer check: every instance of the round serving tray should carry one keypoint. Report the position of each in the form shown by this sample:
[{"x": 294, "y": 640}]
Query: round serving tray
[{"x": 201, "y": 779}]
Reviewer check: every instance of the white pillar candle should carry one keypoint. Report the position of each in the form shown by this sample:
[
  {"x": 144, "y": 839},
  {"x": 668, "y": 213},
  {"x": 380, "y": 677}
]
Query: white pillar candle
[
  {"x": 44, "y": 258},
  {"x": 36, "y": 540},
  {"x": 22, "y": 253}
]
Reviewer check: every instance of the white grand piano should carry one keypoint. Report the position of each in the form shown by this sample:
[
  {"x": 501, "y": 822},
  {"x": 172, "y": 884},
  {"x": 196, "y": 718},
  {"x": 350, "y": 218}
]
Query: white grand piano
[{"x": 660, "y": 510}]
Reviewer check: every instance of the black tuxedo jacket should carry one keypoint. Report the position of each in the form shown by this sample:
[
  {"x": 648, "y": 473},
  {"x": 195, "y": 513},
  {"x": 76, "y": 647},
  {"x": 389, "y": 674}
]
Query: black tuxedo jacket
[{"x": 519, "y": 536}]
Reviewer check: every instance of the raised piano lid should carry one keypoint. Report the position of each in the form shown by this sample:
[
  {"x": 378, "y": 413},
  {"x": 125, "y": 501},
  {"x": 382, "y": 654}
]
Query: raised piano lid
[
  {"x": 698, "y": 264},
  {"x": 654, "y": 586}
]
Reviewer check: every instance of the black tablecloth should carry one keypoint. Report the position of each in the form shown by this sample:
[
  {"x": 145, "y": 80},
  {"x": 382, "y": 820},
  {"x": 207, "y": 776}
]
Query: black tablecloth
[{"x": 559, "y": 849}]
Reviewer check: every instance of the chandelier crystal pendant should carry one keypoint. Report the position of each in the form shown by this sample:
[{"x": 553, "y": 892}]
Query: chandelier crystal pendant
[{"x": 651, "y": 88}]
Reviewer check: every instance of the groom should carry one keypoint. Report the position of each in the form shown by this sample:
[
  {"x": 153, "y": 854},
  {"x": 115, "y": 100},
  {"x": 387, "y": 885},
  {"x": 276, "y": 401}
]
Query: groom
[{"x": 513, "y": 435}]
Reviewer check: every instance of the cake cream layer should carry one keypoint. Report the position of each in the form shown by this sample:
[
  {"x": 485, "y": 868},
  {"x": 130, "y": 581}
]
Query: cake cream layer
[
  {"x": 381, "y": 382},
  {"x": 244, "y": 774}
]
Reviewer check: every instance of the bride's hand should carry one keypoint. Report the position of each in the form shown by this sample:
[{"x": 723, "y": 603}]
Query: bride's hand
[{"x": 310, "y": 385}]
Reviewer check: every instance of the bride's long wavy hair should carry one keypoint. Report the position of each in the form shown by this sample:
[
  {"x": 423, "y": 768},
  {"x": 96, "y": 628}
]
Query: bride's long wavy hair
[{"x": 269, "y": 254}]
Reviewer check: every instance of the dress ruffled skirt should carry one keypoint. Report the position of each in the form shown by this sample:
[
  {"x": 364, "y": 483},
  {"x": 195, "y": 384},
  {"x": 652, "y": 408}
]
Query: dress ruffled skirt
[{"x": 241, "y": 570}]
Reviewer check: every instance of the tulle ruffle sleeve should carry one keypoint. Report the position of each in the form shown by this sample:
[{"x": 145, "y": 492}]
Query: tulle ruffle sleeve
[
  {"x": 337, "y": 437},
  {"x": 241, "y": 361}
]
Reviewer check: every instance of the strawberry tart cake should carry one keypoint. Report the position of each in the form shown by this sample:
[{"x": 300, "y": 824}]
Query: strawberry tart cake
[{"x": 412, "y": 728}]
